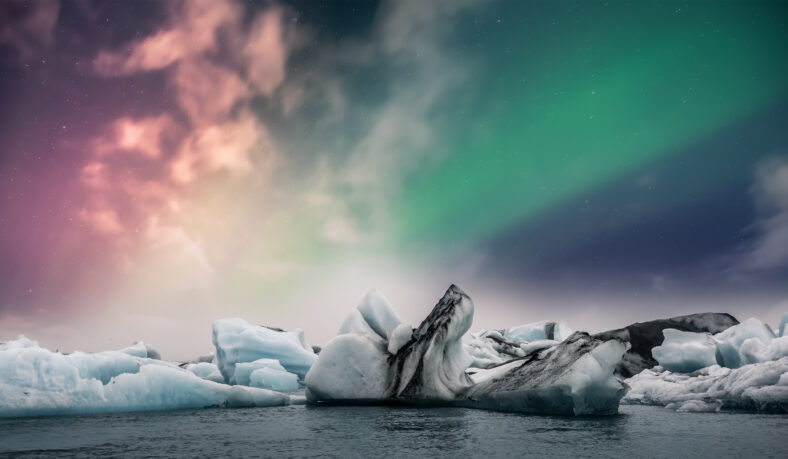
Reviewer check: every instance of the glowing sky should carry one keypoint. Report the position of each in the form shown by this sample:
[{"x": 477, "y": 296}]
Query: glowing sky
[{"x": 164, "y": 164}]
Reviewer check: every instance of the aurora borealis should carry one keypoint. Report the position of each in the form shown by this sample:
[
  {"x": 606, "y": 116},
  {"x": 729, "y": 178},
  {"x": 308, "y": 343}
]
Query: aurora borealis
[{"x": 165, "y": 164}]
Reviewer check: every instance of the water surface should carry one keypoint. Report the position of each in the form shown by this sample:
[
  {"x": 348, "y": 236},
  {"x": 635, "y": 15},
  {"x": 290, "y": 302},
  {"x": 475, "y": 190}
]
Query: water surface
[{"x": 392, "y": 431}]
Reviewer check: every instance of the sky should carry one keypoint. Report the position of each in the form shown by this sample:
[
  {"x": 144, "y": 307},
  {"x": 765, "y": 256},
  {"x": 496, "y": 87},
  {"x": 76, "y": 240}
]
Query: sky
[{"x": 166, "y": 164}]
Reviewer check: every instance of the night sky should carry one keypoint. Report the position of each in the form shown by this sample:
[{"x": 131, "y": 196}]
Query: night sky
[{"x": 165, "y": 164}]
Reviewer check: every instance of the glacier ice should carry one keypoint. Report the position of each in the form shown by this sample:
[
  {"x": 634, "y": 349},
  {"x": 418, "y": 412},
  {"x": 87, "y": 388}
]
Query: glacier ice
[
  {"x": 274, "y": 379},
  {"x": 752, "y": 341},
  {"x": 243, "y": 371},
  {"x": 489, "y": 348},
  {"x": 237, "y": 341},
  {"x": 644, "y": 336},
  {"x": 730, "y": 342},
  {"x": 758, "y": 387},
  {"x": 685, "y": 351},
  {"x": 357, "y": 366},
  {"x": 572, "y": 377},
  {"x": 537, "y": 331},
  {"x": 35, "y": 381},
  {"x": 399, "y": 337},
  {"x": 205, "y": 370}
]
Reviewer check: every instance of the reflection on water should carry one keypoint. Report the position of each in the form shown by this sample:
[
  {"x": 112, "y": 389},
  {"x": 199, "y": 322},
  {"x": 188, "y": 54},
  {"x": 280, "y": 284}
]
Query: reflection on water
[{"x": 391, "y": 431}]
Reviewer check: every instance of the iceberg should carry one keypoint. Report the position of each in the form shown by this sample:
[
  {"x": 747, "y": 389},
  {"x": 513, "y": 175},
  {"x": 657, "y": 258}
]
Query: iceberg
[
  {"x": 731, "y": 341},
  {"x": 783, "y": 322},
  {"x": 274, "y": 379},
  {"x": 644, "y": 336},
  {"x": 205, "y": 370},
  {"x": 685, "y": 352},
  {"x": 35, "y": 381},
  {"x": 237, "y": 341},
  {"x": 752, "y": 341},
  {"x": 575, "y": 377},
  {"x": 537, "y": 331},
  {"x": 572, "y": 377},
  {"x": 755, "y": 387},
  {"x": 489, "y": 348}
]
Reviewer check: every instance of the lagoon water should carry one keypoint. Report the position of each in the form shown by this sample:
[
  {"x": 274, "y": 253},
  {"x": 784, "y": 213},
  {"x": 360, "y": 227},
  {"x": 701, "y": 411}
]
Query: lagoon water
[{"x": 391, "y": 431}]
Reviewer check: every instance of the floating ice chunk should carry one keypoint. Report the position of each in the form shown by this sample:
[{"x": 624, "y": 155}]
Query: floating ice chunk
[
  {"x": 696, "y": 406},
  {"x": 783, "y": 324},
  {"x": 399, "y": 337},
  {"x": 243, "y": 370},
  {"x": 729, "y": 342},
  {"x": 757, "y": 387},
  {"x": 685, "y": 352},
  {"x": 274, "y": 379},
  {"x": 206, "y": 370},
  {"x": 236, "y": 342},
  {"x": 36, "y": 381}
]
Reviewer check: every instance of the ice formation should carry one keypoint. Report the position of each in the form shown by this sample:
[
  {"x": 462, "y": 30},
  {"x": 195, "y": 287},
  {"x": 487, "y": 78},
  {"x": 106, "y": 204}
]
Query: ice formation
[
  {"x": 644, "y": 336},
  {"x": 756, "y": 387},
  {"x": 489, "y": 348},
  {"x": 266, "y": 374},
  {"x": 205, "y": 370},
  {"x": 752, "y": 341},
  {"x": 35, "y": 381},
  {"x": 537, "y": 331},
  {"x": 573, "y": 377},
  {"x": 685, "y": 351},
  {"x": 237, "y": 342}
]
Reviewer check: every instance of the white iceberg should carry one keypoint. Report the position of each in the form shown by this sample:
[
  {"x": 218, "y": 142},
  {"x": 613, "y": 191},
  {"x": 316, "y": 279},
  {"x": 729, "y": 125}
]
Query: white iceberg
[
  {"x": 374, "y": 317},
  {"x": 783, "y": 323},
  {"x": 685, "y": 352},
  {"x": 573, "y": 377},
  {"x": 489, "y": 348},
  {"x": 274, "y": 379},
  {"x": 537, "y": 331},
  {"x": 237, "y": 341},
  {"x": 35, "y": 381},
  {"x": 730, "y": 342},
  {"x": 752, "y": 341},
  {"x": 205, "y": 370},
  {"x": 757, "y": 387},
  {"x": 643, "y": 337}
]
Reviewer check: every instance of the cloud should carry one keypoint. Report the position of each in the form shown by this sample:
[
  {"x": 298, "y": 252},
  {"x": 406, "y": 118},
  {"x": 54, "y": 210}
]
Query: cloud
[
  {"x": 770, "y": 192},
  {"x": 192, "y": 31},
  {"x": 216, "y": 60},
  {"x": 28, "y": 26}
]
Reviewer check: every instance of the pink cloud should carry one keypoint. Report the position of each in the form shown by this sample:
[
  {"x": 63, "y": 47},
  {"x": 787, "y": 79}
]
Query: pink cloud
[
  {"x": 143, "y": 136},
  {"x": 192, "y": 31},
  {"x": 215, "y": 61},
  {"x": 227, "y": 146},
  {"x": 207, "y": 92},
  {"x": 103, "y": 221},
  {"x": 265, "y": 52}
]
